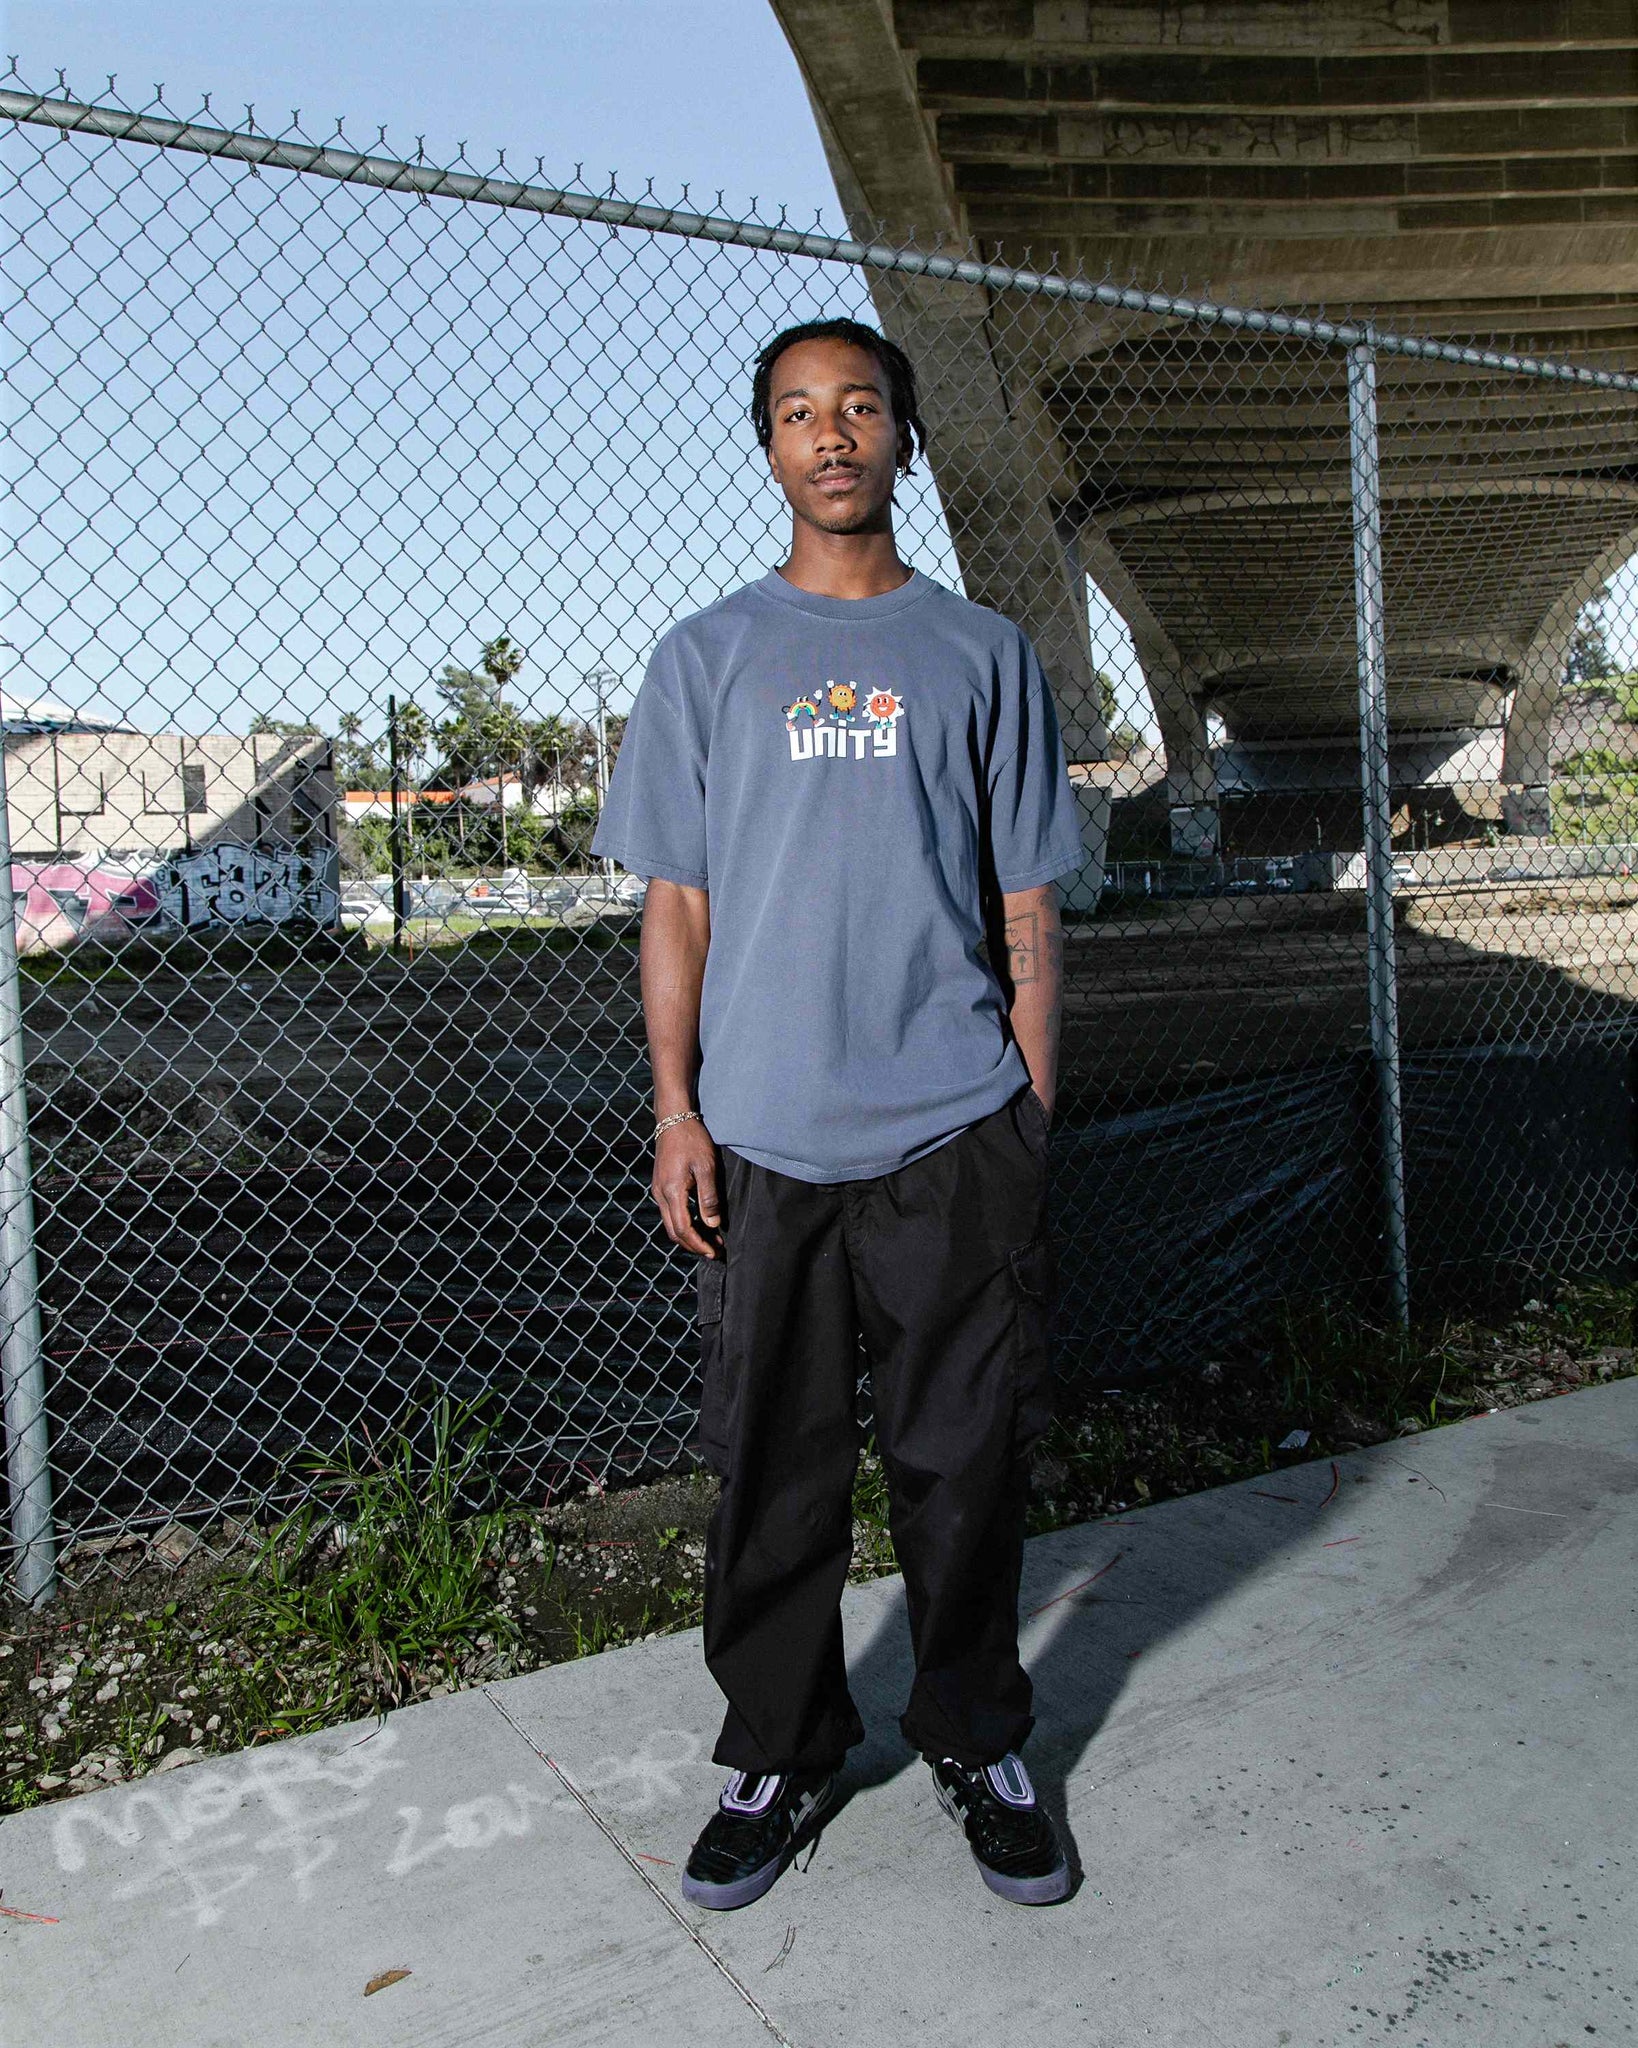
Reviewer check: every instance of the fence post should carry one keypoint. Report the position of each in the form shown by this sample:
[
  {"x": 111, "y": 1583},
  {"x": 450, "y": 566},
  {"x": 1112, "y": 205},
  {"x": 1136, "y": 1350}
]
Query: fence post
[
  {"x": 1382, "y": 968},
  {"x": 395, "y": 828},
  {"x": 22, "y": 1359}
]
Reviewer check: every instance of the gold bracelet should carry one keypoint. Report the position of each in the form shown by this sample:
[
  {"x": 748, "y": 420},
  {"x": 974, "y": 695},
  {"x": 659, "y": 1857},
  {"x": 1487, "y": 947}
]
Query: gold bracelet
[{"x": 678, "y": 1116}]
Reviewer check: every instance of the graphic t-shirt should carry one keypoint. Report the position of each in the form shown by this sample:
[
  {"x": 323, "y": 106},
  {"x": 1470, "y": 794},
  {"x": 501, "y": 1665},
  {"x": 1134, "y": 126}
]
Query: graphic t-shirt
[{"x": 851, "y": 779}]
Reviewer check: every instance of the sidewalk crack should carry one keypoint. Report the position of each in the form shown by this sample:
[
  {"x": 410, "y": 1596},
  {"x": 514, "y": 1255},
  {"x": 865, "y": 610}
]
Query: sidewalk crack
[{"x": 607, "y": 1830}]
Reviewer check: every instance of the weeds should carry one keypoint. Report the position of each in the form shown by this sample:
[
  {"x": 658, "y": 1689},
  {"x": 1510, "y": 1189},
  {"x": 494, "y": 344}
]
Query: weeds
[
  {"x": 139, "y": 1736},
  {"x": 873, "y": 1553},
  {"x": 404, "y": 1581},
  {"x": 456, "y": 941},
  {"x": 1330, "y": 1365},
  {"x": 1596, "y": 1314},
  {"x": 592, "y": 1629},
  {"x": 687, "y": 1605},
  {"x": 1340, "y": 1382},
  {"x": 389, "y": 1570}
]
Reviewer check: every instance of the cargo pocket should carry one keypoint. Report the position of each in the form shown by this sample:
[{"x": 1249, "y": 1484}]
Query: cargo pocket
[
  {"x": 1033, "y": 1286},
  {"x": 711, "y": 1437}
]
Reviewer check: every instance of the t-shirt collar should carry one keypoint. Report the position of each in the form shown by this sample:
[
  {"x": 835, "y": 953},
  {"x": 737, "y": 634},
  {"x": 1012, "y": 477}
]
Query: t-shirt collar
[{"x": 774, "y": 586}]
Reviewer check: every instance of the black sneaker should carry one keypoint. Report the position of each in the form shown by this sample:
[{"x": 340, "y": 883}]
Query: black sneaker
[
  {"x": 758, "y": 1826},
  {"x": 1012, "y": 1840}
]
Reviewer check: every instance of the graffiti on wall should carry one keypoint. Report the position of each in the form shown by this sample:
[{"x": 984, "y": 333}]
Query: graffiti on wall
[{"x": 234, "y": 884}]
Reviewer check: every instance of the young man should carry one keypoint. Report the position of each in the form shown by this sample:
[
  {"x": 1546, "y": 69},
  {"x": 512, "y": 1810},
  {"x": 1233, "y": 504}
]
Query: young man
[{"x": 846, "y": 788}]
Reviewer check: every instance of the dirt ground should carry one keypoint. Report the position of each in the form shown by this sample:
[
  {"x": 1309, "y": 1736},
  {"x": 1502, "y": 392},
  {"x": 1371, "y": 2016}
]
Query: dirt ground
[
  {"x": 280, "y": 1189},
  {"x": 364, "y": 1050}
]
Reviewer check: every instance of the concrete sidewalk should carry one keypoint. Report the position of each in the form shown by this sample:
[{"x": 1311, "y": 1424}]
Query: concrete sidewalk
[{"x": 1348, "y": 1756}]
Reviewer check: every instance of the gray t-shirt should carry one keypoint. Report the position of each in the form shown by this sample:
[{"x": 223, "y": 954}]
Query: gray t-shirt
[{"x": 850, "y": 778}]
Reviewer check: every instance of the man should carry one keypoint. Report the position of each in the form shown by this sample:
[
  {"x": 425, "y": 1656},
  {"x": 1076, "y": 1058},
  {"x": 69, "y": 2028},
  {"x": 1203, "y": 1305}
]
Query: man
[{"x": 846, "y": 787}]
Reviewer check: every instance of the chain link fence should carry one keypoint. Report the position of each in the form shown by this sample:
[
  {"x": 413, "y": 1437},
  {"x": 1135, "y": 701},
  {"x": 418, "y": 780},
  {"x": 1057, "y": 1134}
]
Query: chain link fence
[{"x": 349, "y": 495}]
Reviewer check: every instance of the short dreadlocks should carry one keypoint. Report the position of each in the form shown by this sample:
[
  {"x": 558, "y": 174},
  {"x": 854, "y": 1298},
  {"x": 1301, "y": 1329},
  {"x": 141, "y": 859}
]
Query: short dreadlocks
[{"x": 901, "y": 378}]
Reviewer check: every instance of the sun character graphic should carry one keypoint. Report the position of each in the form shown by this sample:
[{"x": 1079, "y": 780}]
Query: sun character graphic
[
  {"x": 883, "y": 707},
  {"x": 804, "y": 707},
  {"x": 843, "y": 697}
]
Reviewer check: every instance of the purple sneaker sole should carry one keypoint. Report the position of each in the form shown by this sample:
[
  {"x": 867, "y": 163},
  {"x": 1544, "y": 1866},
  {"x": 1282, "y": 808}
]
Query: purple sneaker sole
[
  {"x": 1028, "y": 1891},
  {"x": 744, "y": 1891},
  {"x": 1017, "y": 1891}
]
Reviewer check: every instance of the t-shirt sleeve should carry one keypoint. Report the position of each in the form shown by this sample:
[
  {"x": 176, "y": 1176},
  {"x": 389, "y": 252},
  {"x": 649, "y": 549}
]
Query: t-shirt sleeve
[
  {"x": 653, "y": 820},
  {"x": 1035, "y": 831}
]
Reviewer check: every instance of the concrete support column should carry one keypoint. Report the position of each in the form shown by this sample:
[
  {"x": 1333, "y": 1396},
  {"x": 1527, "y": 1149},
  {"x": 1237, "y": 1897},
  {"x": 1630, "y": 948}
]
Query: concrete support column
[
  {"x": 1191, "y": 777},
  {"x": 1527, "y": 812},
  {"x": 1082, "y": 890},
  {"x": 993, "y": 478},
  {"x": 1527, "y": 764},
  {"x": 1526, "y": 771},
  {"x": 998, "y": 471}
]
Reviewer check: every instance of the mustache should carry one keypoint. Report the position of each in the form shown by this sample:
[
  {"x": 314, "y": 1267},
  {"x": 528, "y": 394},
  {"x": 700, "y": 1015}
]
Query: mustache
[{"x": 835, "y": 466}]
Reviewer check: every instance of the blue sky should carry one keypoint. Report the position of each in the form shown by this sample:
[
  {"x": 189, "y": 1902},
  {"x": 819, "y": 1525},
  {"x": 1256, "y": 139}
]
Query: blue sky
[
  {"x": 701, "y": 90},
  {"x": 296, "y": 494},
  {"x": 358, "y": 562},
  {"x": 224, "y": 567}
]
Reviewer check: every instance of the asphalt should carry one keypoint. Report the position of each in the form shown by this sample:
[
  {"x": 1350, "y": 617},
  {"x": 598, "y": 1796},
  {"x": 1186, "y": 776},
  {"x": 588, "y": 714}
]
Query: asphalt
[{"x": 1348, "y": 1755}]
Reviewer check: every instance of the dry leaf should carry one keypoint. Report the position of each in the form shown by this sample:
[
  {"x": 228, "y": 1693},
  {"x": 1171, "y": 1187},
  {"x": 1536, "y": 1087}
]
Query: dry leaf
[{"x": 380, "y": 1983}]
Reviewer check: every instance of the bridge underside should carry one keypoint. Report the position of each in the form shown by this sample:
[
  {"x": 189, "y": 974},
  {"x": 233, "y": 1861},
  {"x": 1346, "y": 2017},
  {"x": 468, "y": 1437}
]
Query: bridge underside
[{"x": 1457, "y": 167}]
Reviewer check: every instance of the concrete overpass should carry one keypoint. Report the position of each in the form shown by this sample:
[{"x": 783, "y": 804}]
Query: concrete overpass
[{"x": 1459, "y": 167}]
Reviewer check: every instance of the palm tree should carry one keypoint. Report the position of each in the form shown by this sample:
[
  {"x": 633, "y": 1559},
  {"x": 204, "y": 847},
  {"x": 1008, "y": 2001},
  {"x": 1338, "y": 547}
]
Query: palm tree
[
  {"x": 414, "y": 733},
  {"x": 552, "y": 741}
]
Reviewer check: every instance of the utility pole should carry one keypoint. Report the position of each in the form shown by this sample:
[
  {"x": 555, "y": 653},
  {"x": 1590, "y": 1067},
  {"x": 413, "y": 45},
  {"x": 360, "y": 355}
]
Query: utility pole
[
  {"x": 395, "y": 827},
  {"x": 600, "y": 679}
]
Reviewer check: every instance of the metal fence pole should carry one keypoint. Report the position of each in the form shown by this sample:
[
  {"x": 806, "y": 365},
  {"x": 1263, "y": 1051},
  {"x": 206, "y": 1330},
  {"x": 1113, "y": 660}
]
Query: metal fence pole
[
  {"x": 1382, "y": 968},
  {"x": 22, "y": 1359}
]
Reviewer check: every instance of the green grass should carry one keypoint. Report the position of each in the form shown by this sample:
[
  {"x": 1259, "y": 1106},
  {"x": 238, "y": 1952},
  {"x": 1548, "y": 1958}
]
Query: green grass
[
  {"x": 1595, "y": 797},
  {"x": 390, "y": 1569},
  {"x": 266, "y": 949},
  {"x": 873, "y": 1550},
  {"x": 140, "y": 1737},
  {"x": 1623, "y": 689},
  {"x": 592, "y": 1629},
  {"x": 88, "y": 966},
  {"x": 1327, "y": 1359}
]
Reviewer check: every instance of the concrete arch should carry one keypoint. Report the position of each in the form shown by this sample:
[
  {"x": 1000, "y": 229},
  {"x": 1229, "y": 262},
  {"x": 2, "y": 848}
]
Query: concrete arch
[
  {"x": 1527, "y": 742},
  {"x": 1276, "y": 156}
]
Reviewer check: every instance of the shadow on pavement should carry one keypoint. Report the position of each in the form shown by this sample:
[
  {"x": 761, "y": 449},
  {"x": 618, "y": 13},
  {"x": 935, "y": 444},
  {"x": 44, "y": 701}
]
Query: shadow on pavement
[{"x": 1085, "y": 1621}]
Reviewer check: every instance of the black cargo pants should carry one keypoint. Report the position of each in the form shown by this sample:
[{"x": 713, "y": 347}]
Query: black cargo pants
[{"x": 946, "y": 1269}]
